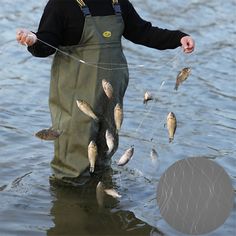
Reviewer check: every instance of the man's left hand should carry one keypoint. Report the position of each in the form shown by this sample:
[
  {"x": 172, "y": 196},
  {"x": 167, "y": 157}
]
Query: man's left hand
[{"x": 188, "y": 44}]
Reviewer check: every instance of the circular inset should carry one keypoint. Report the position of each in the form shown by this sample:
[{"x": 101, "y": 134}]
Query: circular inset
[{"x": 195, "y": 196}]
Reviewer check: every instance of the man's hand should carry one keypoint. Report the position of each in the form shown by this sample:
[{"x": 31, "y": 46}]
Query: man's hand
[
  {"x": 188, "y": 44},
  {"x": 25, "y": 37}
]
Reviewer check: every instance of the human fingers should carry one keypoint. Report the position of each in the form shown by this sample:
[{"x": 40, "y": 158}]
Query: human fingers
[
  {"x": 20, "y": 32},
  {"x": 25, "y": 37},
  {"x": 21, "y": 35},
  {"x": 22, "y": 38},
  {"x": 188, "y": 49},
  {"x": 30, "y": 39},
  {"x": 188, "y": 44}
]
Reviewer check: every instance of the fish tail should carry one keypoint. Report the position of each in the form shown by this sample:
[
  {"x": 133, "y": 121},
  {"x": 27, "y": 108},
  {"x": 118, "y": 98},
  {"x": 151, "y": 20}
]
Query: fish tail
[
  {"x": 170, "y": 140},
  {"x": 91, "y": 170}
]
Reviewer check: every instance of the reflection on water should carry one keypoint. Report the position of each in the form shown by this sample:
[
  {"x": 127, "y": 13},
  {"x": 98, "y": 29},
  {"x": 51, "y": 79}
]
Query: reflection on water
[
  {"x": 75, "y": 209},
  {"x": 204, "y": 106}
]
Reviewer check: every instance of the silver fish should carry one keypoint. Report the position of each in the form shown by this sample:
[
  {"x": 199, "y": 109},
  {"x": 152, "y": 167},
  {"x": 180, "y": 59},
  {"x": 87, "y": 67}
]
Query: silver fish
[
  {"x": 107, "y": 87},
  {"x": 154, "y": 155},
  {"x": 109, "y": 141},
  {"x": 48, "y": 134},
  {"x": 101, "y": 191},
  {"x": 92, "y": 155},
  {"x": 147, "y": 97},
  {"x": 182, "y": 76},
  {"x": 124, "y": 159},
  {"x": 100, "y": 194},
  {"x": 86, "y": 109},
  {"x": 118, "y": 116},
  {"x": 171, "y": 123}
]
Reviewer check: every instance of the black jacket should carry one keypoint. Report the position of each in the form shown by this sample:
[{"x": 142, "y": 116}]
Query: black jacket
[{"x": 62, "y": 25}]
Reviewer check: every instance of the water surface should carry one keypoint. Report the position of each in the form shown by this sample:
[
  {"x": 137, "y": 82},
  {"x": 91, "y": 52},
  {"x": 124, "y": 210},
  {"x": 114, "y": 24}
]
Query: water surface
[{"x": 205, "y": 107}]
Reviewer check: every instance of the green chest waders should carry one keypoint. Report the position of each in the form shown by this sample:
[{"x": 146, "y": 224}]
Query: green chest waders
[{"x": 101, "y": 50}]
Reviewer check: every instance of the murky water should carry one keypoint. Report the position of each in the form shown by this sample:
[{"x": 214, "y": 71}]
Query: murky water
[{"x": 205, "y": 107}]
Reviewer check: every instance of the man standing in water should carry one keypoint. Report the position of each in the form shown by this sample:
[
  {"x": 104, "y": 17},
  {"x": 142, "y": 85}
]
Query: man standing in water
[{"x": 80, "y": 107}]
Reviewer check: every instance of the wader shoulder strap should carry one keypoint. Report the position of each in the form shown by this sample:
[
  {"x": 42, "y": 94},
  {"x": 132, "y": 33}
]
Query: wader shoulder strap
[
  {"x": 84, "y": 8},
  {"x": 86, "y": 11},
  {"x": 116, "y": 7}
]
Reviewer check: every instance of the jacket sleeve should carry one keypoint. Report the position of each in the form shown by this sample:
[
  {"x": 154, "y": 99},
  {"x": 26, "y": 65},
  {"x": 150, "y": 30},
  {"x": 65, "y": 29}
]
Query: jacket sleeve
[
  {"x": 49, "y": 31},
  {"x": 142, "y": 32}
]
